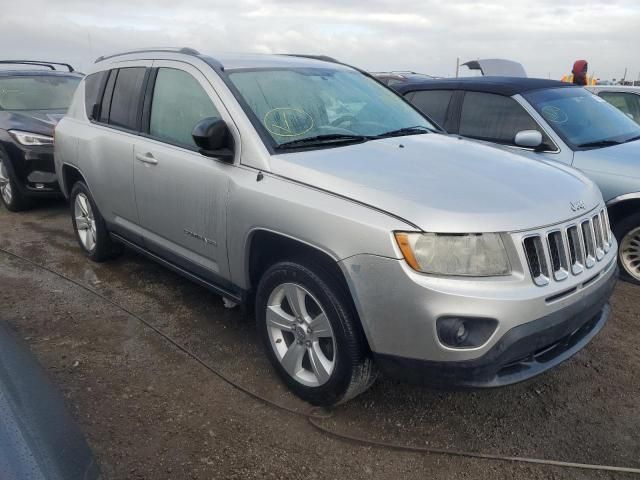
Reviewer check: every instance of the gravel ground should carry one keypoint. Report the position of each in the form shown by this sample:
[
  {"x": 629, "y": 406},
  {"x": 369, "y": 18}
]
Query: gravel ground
[{"x": 151, "y": 411}]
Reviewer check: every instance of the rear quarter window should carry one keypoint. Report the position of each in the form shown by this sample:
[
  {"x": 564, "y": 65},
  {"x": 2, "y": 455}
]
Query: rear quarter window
[{"x": 92, "y": 84}]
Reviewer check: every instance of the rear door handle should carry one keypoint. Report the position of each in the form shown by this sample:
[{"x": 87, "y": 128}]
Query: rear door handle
[{"x": 146, "y": 158}]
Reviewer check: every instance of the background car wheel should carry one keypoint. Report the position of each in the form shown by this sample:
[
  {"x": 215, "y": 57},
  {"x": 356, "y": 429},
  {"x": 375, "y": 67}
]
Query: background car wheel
[
  {"x": 11, "y": 197},
  {"x": 90, "y": 228},
  {"x": 311, "y": 334},
  {"x": 627, "y": 233}
]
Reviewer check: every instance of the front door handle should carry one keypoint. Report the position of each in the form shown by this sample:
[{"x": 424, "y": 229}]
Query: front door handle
[{"x": 146, "y": 158}]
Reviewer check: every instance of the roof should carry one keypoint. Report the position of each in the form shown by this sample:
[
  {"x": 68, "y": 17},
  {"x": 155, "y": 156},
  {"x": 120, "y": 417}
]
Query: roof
[
  {"x": 228, "y": 61},
  {"x": 38, "y": 73},
  {"x": 231, "y": 61},
  {"x": 501, "y": 85},
  {"x": 10, "y": 68},
  {"x": 614, "y": 88}
]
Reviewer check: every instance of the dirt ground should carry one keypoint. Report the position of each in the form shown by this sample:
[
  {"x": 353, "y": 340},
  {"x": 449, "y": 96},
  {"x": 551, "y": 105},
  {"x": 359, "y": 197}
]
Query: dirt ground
[{"x": 151, "y": 411}]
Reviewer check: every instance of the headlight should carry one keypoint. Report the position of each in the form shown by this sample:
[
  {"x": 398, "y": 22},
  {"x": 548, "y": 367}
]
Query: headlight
[
  {"x": 31, "y": 139},
  {"x": 479, "y": 255}
]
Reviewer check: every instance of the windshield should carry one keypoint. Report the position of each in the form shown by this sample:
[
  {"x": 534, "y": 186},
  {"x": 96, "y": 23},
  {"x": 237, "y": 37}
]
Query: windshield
[
  {"x": 582, "y": 119},
  {"x": 298, "y": 104},
  {"x": 37, "y": 92}
]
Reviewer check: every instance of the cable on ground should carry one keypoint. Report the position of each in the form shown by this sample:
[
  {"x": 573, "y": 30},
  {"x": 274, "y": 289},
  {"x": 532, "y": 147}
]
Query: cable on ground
[{"x": 316, "y": 415}]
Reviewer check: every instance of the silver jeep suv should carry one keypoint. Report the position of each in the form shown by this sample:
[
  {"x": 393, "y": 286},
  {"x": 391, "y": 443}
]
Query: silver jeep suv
[{"x": 364, "y": 239}]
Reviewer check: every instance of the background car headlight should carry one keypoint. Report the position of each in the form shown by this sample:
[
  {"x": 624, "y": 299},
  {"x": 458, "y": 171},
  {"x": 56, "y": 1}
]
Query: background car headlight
[
  {"x": 31, "y": 139},
  {"x": 480, "y": 255}
]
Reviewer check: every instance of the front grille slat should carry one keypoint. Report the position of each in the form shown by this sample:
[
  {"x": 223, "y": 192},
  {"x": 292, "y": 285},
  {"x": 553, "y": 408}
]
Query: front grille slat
[
  {"x": 576, "y": 251},
  {"x": 599, "y": 236},
  {"x": 555, "y": 255},
  {"x": 604, "y": 220},
  {"x": 589, "y": 243},
  {"x": 537, "y": 260}
]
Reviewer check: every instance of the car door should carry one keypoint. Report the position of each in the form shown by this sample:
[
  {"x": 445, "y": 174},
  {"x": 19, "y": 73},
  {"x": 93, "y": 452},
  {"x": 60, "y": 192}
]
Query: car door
[
  {"x": 494, "y": 118},
  {"x": 108, "y": 148},
  {"x": 627, "y": 103},
  {"x": 435, "y": 104},
  {"x": 181, "y": 194}
]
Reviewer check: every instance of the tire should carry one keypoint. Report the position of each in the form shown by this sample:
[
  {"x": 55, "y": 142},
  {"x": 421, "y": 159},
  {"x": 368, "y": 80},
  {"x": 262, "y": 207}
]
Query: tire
[
  {"x": 11, "y": 197},
  {"x": 323, "y": 362},
  {"x": 627, "y": 232},
  {"x": 89, "y": 226}
]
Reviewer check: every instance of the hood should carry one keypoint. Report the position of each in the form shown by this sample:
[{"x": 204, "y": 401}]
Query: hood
[
  {"x": 42, "y": 122},
  {"x": 617, "y": 167},
  {"x": 443, "y": 184}
]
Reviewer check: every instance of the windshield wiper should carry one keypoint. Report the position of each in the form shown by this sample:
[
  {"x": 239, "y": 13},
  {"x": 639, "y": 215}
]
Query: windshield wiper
[
  {"x": 632, "y": 139},
  {"x": 417, "y": 130},
  {"x": 600, "y": 143},
  {"x": 320, "y": 140}
]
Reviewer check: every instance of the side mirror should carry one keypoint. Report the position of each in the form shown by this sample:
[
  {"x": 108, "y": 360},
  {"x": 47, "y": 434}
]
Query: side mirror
[
  {"x": 213, "y": 138},
  {"x": 529, "y": 139}
]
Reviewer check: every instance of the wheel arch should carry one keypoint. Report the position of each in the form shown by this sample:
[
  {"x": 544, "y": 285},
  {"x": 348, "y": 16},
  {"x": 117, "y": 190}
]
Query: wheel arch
[
  {"x": 266, "y": 247},
  {"x": 622, "y": 207},
  {"x": 70, "y": 175}
]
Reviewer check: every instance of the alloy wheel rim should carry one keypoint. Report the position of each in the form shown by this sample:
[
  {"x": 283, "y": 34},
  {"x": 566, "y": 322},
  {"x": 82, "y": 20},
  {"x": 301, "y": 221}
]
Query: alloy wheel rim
[
  {"x": 301, "y": 335},
  {"x": 630, "y": 253},
  {"x": 5, "y": 184},
  {"x": 85, "y": 222}
]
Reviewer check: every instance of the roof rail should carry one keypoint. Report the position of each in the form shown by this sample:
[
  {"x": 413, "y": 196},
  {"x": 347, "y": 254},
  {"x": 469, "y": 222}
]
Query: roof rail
[
  {"x": 185, "y": 50},
  {"x": 39, "y": 63},
  {"x": 324, "y": 58}
]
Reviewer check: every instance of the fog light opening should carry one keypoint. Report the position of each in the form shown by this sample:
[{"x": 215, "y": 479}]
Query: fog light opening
[{"x": 456, "y": 332}]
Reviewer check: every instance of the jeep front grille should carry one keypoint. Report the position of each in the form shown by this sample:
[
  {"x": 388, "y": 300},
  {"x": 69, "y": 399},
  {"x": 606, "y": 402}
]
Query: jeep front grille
[{"x": 568, "y": 250}]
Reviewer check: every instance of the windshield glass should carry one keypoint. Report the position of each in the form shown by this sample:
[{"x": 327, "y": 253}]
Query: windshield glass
[
  {"x": 294, "y": 104},
  {"x": 583, "y": 119},
  {"x": 37, "y": 92}
]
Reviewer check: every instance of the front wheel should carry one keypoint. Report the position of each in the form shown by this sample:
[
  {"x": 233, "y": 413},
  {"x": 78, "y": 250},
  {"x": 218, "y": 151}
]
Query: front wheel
[
  {"x": 11, "y": 197},
  {"x": 627, "y": 231},
  {"x": 311, "y": 334}
]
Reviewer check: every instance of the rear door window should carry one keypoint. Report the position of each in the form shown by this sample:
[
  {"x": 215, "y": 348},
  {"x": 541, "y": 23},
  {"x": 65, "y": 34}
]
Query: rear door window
[
  {"x": 627, "y": 103},
  {"x": 433, "y": 103},
  {"x": 179, "y": 103},
  {"x": 125, "y": 103},
  {"x": 496, "y": 118}
]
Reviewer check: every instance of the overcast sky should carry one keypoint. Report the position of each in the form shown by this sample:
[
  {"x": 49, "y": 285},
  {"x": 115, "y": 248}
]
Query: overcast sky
[{"x": 546, "y": 36}]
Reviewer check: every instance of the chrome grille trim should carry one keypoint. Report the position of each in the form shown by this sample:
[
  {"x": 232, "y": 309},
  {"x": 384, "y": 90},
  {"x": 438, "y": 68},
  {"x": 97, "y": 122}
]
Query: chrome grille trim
[
  {"x": 568, "y": 250},
  {"x": 576, "y": 249},
  {"x": 599, "y": 236},
  {"x": 537, "y": 260},
  {"x": 558, "y": 255},
  {"x": 589, "y": 243}
]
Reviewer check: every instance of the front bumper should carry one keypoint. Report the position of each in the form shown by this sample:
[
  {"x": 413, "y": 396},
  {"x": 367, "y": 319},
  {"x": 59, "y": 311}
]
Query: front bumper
[
  {"x": 522, "y": 353},
  {"x": 34, "y": 170},
  {"x": 399, "y": 310}
]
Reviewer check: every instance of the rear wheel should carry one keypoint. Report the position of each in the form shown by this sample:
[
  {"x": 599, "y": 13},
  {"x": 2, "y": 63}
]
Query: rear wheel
[
  {"x": 627, "y": 232},
  {"x": 11, "y": 197},
  {"x": 311, "y": 336},
  {"x": 91, "y": 230}
]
